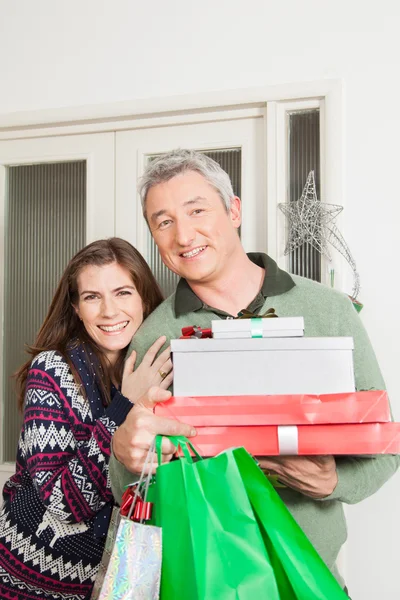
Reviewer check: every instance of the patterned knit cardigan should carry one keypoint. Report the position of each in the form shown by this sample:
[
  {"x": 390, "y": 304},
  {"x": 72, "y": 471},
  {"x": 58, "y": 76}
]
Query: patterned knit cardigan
[{"x": 48, "y": 547}]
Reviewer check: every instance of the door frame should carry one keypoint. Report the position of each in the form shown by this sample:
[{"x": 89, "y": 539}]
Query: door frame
[{"x": 98, "y": 152}]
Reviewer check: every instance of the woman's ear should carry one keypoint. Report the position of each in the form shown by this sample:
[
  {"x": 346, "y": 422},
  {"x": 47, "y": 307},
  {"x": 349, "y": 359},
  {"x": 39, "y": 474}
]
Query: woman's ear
[{"x": 76, "y": 309}]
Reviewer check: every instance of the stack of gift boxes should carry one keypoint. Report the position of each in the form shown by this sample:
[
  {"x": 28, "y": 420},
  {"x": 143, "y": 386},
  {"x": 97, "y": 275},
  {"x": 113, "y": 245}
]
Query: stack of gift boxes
[{"x": 259, "y": 383}]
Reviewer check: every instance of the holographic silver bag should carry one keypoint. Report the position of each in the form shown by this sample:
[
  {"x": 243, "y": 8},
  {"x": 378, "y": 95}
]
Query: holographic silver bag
[{"x": 134, "y": 565}]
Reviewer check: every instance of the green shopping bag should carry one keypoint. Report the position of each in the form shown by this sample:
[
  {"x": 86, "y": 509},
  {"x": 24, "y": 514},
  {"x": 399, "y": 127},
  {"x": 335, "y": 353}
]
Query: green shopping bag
[
  {"x": 291, "y": 552},
  {"x": 227, "y": 534},
  {"x": 212, "y": 544}
]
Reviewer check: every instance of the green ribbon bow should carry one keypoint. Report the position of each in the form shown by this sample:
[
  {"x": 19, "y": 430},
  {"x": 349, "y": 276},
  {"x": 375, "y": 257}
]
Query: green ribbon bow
[
  {"x": 256, "y": 320},
  {"x": 246, "y": 314}
]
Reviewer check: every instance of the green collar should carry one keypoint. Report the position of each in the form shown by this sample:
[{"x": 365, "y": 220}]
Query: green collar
[{"x": 276, "y": 282}]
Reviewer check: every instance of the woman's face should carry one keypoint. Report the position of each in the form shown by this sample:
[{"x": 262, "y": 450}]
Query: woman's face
[{"x": 109, "y": 307}]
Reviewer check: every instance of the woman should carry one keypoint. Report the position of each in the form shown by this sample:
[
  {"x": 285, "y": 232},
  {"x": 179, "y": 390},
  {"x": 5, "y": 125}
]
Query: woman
[{"x": 75, "y": 393}]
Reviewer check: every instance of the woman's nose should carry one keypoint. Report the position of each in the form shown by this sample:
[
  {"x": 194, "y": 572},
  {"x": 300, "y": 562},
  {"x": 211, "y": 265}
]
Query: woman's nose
[{"x": 109, "y": 307}]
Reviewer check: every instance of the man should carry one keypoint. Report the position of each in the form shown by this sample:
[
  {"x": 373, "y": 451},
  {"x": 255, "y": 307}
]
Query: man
[{"x": 194, "y": 217}]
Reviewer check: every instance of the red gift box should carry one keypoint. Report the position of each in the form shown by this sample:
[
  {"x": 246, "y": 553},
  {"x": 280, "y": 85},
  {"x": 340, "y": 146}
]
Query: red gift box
[
  {"x": 365, "y": 438},
  {"x": 299, "y": 409}
]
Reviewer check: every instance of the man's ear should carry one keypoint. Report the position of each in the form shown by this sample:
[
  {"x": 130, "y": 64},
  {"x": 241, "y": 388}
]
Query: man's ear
[{"x": 235, "y": 211}]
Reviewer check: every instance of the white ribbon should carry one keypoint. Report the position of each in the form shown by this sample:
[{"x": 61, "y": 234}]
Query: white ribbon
[{"x": 288, "y": 439}]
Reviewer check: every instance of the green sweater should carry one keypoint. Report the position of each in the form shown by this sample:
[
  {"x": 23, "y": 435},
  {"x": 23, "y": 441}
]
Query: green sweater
[{"x": 326, "y": 312}]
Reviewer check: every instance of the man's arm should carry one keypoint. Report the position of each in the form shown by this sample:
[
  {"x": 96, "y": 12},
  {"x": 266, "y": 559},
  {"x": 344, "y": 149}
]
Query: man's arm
[
  {"x": 133, "y": 438},
  {"x": 348, "y": 479},
  {"x": 360, "y": 477}
]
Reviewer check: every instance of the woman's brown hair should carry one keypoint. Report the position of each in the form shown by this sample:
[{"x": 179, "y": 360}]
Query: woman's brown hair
[{"x": 62, "y": 324}]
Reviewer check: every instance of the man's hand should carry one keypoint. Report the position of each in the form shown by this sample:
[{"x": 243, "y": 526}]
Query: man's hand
[
  {"x": 134, "y": 437},
  {"x": 313, "y": 476}
]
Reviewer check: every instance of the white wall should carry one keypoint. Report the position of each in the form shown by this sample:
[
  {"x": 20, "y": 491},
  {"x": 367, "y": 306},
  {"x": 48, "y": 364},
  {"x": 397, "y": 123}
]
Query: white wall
[{"x": 81, "y": 52}]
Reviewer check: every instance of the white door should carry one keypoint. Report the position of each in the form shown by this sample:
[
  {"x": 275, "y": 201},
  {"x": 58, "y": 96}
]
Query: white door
[
  {"x": 133, "y": 149},
  {"x": 97, "y": 150},
  {"x": 56, "y": 194}
]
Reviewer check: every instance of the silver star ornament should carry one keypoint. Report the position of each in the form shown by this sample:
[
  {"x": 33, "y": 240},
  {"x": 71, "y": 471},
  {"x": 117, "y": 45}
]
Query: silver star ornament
[
  {"x": 308, "y": 218},
  {"x": 312, "y": 221}
]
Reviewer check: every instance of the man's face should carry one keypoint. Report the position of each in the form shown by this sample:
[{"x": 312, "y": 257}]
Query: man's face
[{"x": 195, "y": 235}]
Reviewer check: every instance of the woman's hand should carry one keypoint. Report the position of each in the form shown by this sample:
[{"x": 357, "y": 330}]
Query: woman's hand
[{"x": 152, "y": 371}]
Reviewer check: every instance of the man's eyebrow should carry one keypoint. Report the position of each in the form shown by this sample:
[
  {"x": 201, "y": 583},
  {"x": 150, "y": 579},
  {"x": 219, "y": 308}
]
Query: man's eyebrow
[
  {"x": 118, "y": 289},
  {"x": 194, "y": 200},
  {"x": 157, "y": 214},
  {"x": 163, "y": 212}
]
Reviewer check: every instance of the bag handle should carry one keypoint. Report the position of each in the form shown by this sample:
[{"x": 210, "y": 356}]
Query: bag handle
[
  {"x": 181, "y": 442},
  {"x": 144, "y": 479}
]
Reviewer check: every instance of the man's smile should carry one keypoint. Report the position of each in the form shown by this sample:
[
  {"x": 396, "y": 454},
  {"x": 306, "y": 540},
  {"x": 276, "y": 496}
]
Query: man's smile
[{"x": 194, "y": 252}]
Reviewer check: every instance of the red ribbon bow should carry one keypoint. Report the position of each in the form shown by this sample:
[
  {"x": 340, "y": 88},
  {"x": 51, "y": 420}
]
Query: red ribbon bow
[
  {"x": 142, "y": 510},
  {"x": 195, "y": 332}
]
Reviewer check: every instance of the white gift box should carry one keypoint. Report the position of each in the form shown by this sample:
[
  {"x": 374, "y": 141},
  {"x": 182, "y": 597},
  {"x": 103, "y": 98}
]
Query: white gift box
[
  {"x": 257, "y": 328},
  {"x": 234, "y": 367}
]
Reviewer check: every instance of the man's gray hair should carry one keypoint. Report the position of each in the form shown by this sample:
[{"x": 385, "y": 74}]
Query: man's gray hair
[{"x": 179, "y": 161}]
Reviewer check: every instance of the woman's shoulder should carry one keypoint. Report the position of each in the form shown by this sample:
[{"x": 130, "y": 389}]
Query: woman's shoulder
[
  {"x": 51, "y": 370},
  {"x": 54, "y": 367},
  {"x": 49, "y": 360}
]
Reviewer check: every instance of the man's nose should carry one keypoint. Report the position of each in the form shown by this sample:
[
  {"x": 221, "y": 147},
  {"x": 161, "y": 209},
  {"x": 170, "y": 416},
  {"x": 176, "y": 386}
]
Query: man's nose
[{"x": 184, "y": 233}]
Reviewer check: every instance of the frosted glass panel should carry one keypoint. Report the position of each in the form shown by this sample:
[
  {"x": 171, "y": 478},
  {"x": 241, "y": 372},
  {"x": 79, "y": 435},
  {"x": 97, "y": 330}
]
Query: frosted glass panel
[
  {"x": 304, "y": 156},
  {"x": 230, "y": 160},
  {"x": 45, "y": 227}
]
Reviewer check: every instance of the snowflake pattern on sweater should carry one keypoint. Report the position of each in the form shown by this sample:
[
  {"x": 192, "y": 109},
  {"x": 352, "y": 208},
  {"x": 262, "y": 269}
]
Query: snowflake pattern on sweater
[{"x": 48, "y": 547}]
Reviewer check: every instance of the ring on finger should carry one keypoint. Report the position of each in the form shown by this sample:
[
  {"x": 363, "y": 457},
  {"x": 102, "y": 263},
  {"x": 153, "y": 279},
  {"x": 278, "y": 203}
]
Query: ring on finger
[{"x": 162, "y": 374}]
